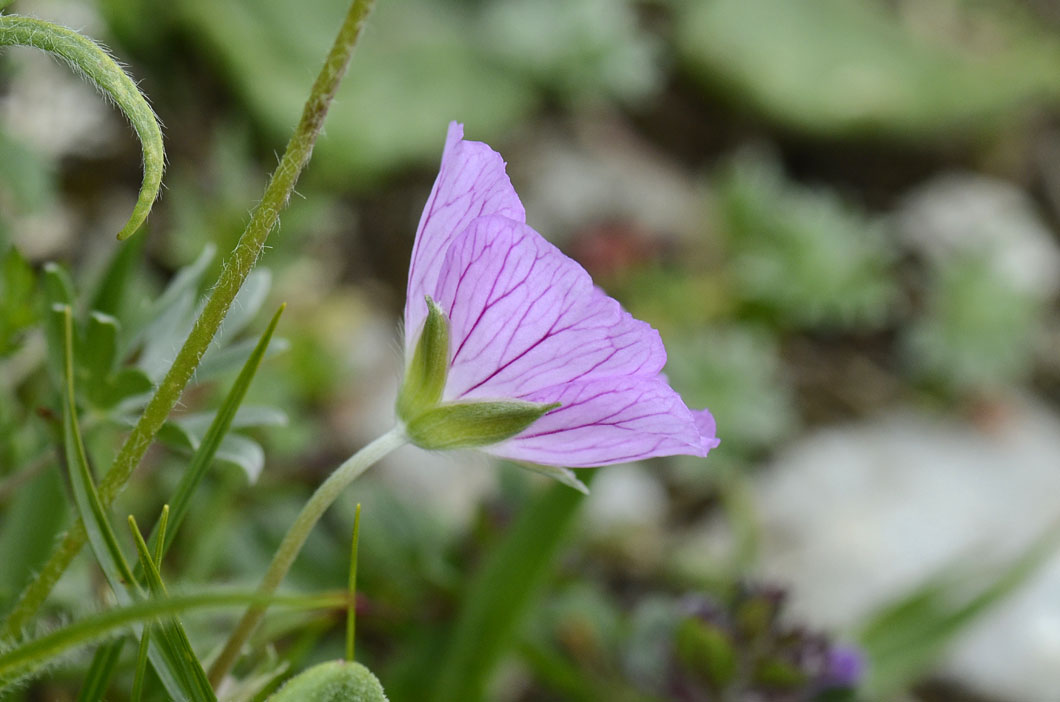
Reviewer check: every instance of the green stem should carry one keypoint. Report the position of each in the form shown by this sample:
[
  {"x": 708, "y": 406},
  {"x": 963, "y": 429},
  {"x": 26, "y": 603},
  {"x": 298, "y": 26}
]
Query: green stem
[
  {"x": 235, "y": 269},
  {"x": 97, "y": 65},
  {"x": 292, "y": 542}
]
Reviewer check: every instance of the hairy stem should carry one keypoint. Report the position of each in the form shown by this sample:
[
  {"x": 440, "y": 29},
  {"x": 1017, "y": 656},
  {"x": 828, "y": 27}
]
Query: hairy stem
[
  {"x": 92, "y": 60},
  {"x": 292, "y": 542},
  {"x": 236, "y": 267}
]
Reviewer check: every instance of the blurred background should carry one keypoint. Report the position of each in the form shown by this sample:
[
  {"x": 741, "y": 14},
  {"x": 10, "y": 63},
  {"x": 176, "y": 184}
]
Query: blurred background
[{"x": 841, "y": 216}]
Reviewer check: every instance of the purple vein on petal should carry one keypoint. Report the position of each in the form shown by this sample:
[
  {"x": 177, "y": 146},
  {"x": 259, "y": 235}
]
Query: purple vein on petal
[
  {"x": 471, "y": 183},
  {"x": 524, "y": 316},
  {"x": 609, "y": 420}
]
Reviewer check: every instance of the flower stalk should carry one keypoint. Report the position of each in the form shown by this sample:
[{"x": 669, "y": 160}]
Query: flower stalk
[
  {"x": 296, "y": 536},
  {"x": 236, "y": 268}
]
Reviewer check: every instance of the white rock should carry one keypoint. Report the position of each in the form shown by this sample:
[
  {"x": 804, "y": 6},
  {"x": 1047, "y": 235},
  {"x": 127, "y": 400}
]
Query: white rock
[
  {"x": 854, "y": 517},
  {"x": 962, "y": 212}
]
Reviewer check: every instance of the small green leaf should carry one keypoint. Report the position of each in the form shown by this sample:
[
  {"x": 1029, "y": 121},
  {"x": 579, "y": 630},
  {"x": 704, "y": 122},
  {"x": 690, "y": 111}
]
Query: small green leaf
[
  {"x": 429, "y": 367},
  {"x": 220, "y": 361},
  {"x": 111, "y": 295},
  {"x": 473, "y": 424},
  {"x": 170, "y": 315},
  {"x": 99, "y": 355},
  {"x": 18, "y": 310},
  {"x": 58, "y": 290},
  {"x": 126, "y": 384},
  {"x": 334, "y": 681},
  {"x": 35, "y": 515},
  {"x": 101, "y": 344}
]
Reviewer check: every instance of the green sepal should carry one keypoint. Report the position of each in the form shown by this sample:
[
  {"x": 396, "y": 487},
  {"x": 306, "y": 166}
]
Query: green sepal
[
  {"x": 473, "y": 424},
  {"x": 426, "y": 374},
  {"x": 334, "y": 681}
]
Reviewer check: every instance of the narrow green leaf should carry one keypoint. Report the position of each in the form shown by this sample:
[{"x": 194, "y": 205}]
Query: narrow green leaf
[
  {"x": 111, "y": 296},
  {"x": 18, "y": 309},
  {"x": 106, "y": 658},
  {"x": 174, "y": 306},
  {"x": 22, "y": 660},
  {"x": 163, "y": 524},
  {"x": 500, "y": 594},
  {"x": 129, "y": 386},
  {"x": 211, "y": 442},
  {"x": 94, "y": 686},
  {"x": 351, "y": 611},
  {"x": 169, "y": 628},
  {"x": 58, "y": 290},
  {"x": 34, "y": 517},
  {"x": 207, "y": 450},
  {"x": 89, "y": 58},
  {"x": 58, "y": 286},
  {"x": 141, "y": 664},
  {"x": 101, "y": 345},
  {"x": 229, "y": 358},
  {"x": 101, "y": 536},
  {"x": 903, "y": 639},
  {"x": 173, "y": 665}
]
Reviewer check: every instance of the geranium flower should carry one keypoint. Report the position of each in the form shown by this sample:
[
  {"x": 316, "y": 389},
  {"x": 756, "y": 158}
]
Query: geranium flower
[{"x": 512, "y": 348}]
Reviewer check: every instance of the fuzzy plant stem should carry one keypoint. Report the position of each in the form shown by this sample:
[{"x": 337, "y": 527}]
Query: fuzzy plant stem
[
  {"x": 311, "y": 513},
  {"x": 235, "y": 269},
  {"x": 93, "y": 61}
]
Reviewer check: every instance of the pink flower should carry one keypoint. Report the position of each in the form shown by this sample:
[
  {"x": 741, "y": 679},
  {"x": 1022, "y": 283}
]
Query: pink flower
[{"x": 527, "y": 325}]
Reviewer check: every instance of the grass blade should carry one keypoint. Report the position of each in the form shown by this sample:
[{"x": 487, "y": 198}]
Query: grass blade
[
  {"x": 351, "y": 611},
  {"x": 170, "y": 629},
  {"x": 161, "y": 536},
  {"x": 222, "y": 421},
  {"x": 175, "y": 664},
  {"x": 94, "y": 686},
  {"x": 905, "y": 638},
  {"x": 141, "y": 664},
  {"x": 500, "y": 593},
  {"x": 21, "y": 661}
]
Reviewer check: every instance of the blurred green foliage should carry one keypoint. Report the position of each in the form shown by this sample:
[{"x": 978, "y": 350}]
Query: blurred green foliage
[
  {"x": 789, "y": 253},
  {"x": 803, "y": 255},
  {"x": 839, "y": 68}
]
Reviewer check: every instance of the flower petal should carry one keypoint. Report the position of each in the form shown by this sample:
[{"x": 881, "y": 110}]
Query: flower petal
[
  {"x": 471, "y": 182},
  {"x": 523, "y": 316},
  {"x": 610, "y": 420}
]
